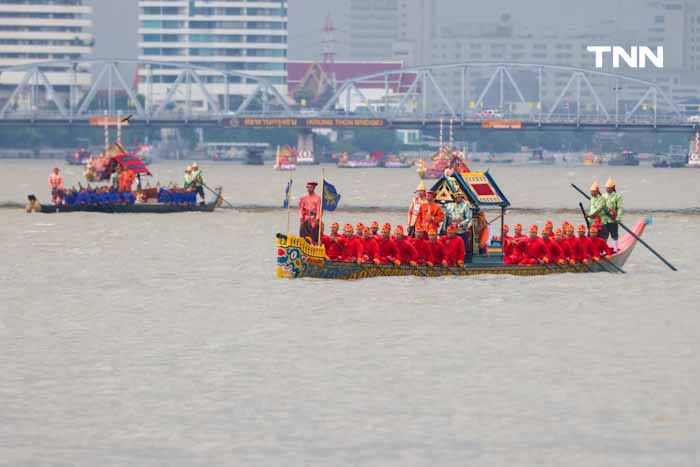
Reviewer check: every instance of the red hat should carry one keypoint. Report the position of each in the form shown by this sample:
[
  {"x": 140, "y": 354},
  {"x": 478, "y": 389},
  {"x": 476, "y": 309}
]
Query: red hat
[
  {"x": 360, "y": 226},
  {"x": 558, "y": 232},
  {"x": 420, "y": 228},
  {"x": 533, "y": 228},
  {"x": 594, "y": 228},
  {"x": 547, "y": 231},
  {"x": 432, "y": 231},
  {"x": 451, "y": 228},
  {"x": 398, "y": 229},
  {"x": 505, "y": 227},
  {"x": 347, "y": 228},
  {"x": 549, "y": 224},
  {"x": 311, "y": 183},
  {"x": 518, "y": 227},
  {"x": 432, "y": 193},
  {"x": 581, "y": 228},
  {"x": 375, "y": 224},
  {"x": 365, "y": 231},
  {"x": 335, "y": 225},
  {"x": 386, "y": 227}
]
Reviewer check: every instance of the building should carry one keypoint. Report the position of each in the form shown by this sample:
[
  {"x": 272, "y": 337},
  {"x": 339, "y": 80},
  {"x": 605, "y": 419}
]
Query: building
[
  {"x": 247, "y": 36},
  {"x": 43, "y": 30},
  {"x": 390, "y": 30}
]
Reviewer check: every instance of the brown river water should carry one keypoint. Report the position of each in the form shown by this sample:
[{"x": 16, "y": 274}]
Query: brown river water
[{"x": 146, "y": 340}]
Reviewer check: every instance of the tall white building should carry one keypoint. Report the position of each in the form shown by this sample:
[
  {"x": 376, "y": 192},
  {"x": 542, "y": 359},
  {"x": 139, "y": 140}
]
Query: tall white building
[
  {"x": 42, "y": 30},
  {"x": 248, "y": 36}
]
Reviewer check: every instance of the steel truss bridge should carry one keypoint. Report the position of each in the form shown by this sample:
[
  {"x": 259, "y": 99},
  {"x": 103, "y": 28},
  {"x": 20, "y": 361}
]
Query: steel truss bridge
[{"x": 530, "y": 96}]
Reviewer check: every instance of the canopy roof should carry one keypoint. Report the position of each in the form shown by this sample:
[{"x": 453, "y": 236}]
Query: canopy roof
[
  {"x": 125, "y": 161},
  {"x": 479, "y": 189}
]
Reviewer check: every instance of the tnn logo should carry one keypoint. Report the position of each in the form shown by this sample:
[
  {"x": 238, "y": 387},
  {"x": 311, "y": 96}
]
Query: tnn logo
[{"x": 637, "y": 58}]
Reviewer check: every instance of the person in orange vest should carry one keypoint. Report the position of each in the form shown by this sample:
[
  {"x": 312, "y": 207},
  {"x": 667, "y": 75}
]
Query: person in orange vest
[
  {"x": 454, "y": 247},
  {"x": 334, "y": 243},
  {"x": 374, "y": 230},
  {"x": 370, "y": 247},
  {"x": 406, "y": 252},
  {"x": 126, "y": 180},
  {"x": 533, "y": 248},
  {"x": 420, "y": 243},
  {"x": 418, "y": 200},
  {"x": 352, "y": 251},
  {"x": 599, "y": 247},
  {"x": 436, "y": 250},
  {"x": 387, "y": 247},
  {"x": 564, "y": 247},
  {"x": 56, "y": 186},
  {"x": 430, "y": 214}
]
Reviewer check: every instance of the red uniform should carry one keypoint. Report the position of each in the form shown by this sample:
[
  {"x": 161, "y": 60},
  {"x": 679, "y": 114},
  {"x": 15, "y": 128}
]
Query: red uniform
[
  {"x": 406, "y": 252},
  {"x": 577, "y": 254},
  {"x": 454, "y": 250},
  {"x": 534, "y": 249},
  {"x": 565, "y": 249},
  {"x": 370, "y": 249},
  {"x": 516, "y": 250},
  {"x": 585, "y": 248},
  {"x": 436, "y": 253},
  {"x": 430, "y": 216},
  {"x": 422, "y": 250},
  {"x": 387, "y": 250},
  {"x": 599, "y": 247},
  {"x": 353, "y": 249},
  {"x": 553, "y": 251},
  {"x": 334, "y": 249},
  {"x": 507, "y": 245}
]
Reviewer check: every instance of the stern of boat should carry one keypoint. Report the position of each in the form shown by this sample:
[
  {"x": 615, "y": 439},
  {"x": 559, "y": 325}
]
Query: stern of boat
[
  {"x": 627, "y": 242},
  {"x": 295, "y": 255}
]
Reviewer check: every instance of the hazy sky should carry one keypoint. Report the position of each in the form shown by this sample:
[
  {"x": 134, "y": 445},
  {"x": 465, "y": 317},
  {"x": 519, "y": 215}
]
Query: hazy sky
[{"x": 116, "y": 21}]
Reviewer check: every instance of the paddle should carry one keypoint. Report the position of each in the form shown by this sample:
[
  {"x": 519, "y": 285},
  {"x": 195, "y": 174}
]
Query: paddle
[
  {"x": 537, "y": 259},
  {"x": 636, "y": 237},
  {"x": 218, "y": 195},
  {"x": 588, "y": 224}
]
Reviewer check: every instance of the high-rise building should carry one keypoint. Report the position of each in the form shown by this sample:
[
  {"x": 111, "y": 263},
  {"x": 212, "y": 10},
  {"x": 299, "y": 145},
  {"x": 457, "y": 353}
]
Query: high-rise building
[
  {"x": 43, "y": 30},
  {"x": 248, "y": 36},
  {"x": 390, "y": 29}
]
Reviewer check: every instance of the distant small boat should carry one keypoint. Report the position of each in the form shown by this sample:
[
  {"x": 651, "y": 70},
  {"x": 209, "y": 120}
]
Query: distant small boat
[{"x": 624, "y": 158}]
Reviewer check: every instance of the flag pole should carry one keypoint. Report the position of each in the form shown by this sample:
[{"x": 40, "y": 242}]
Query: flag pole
[
  {"x": 320, "y": 217},
  {"x": 289, "y": 204}
]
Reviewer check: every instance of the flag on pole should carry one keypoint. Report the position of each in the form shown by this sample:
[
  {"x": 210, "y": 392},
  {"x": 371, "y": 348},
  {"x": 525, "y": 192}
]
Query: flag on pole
[
  {"x": 330, "y": 197},
  {"x": 287, "y": 193}
]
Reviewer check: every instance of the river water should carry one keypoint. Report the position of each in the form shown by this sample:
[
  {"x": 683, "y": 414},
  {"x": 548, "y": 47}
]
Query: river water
[{"x": 166, "y": 340}]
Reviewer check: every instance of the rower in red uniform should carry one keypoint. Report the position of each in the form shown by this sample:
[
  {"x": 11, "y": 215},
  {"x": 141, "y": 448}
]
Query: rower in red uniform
[
  {"x": 436, "y": 250},
  {"x": 387, "y": 247},
  {"x": 553, "y": 252},
  {"x": 353, "y": 246},
  {"x": 370, "y": 248},
  {"x": 374, "y": 230},
  {"x": 454, "y": 247},
  {"x": 516, "y": 246},
  {"x": 564, "y": 247},
  {"x": 334, "y": 243},
  {"x": 406, "y": 252},
  {"x": 599, "y": 247},
  {"x": 507, "y": 242},
  {"x": 584, "y": 245},
  {"x": 359, "y": 231},
  {"x": 533, "y": 248},
  {"x": 574, "y": 246},
  {"x": 420, "y": 243}
]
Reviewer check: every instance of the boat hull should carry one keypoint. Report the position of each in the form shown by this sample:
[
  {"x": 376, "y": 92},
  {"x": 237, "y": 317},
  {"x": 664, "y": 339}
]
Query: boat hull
[
  {"x": 298, "y": 259},
  {"x": 147, "y": 208}
]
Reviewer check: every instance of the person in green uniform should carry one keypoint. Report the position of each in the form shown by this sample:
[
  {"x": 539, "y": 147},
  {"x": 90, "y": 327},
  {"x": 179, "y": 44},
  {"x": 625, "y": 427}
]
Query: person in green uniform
[
  {"x": 597, "y": 209},
  {"x": 187, "y": 181},
  {"x": 613, "y": 214},
  {"x": 198, "y": 181}
]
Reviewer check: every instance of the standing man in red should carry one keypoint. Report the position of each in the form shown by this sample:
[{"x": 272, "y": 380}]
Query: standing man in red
[
  {"x": 404, "y": 248},
  {"x": 454, "y": 247},
  {"x": 387, "y": 247},
  {"x": 309, "y": 206},
  {"x": 56, "y": 186},
  {"x": 417, "y": 201},
  {"x": 430, "y": 215}
]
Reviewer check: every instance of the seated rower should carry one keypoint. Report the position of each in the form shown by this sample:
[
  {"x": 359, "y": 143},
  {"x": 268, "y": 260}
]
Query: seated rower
[
  {"x": 387, "y": 247},
  {"x": 436, "y": 251},
  {"x": 553, "y": 252},
  {"x": 599, "y": 247},
  {"x": 374, "y": 230},
  {"x": 564, "y": 247},
  {"x": 33, "y": 204},
  {"x": 584, "y": 245},
  {"x": 454, "y": 247},
  {"x": 420, "y": 243},
  {"x": 334, "y": 243},
  {"x": 406, "y": 253},
  {"x": 533, "y": 248},
  {"x": 359, "y": 231},
  {"x": 370, "y": 248},
  {"x": 507, "y": 242},
  {"x": 352, "y": 251}
]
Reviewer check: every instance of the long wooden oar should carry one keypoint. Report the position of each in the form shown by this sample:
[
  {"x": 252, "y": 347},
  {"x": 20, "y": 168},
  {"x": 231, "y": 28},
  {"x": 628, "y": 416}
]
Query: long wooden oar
[
  {"x": 218, "y": 195},
  {"x": 637, "y": 237},
  {"x": 588, "y": 224}
]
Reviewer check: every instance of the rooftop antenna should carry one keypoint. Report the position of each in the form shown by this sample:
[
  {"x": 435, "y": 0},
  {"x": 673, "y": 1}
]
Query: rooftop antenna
[
  {"x": 441, "y": 134},
  {"x": 328, "y": 45},
  {"x": 451, "y": 135}
]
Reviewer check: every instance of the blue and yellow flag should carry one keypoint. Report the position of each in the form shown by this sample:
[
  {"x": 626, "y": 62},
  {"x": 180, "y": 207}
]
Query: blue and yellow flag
[
  {"x": 330, "y": 197},
  {"x": 287, "y": 191}
]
